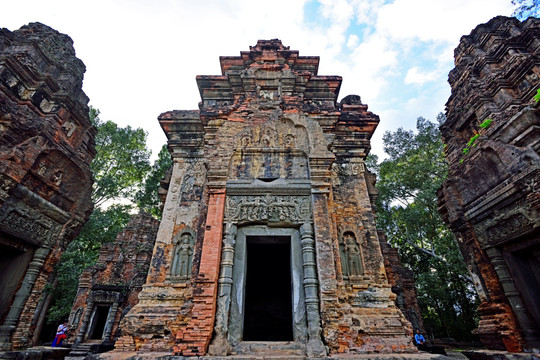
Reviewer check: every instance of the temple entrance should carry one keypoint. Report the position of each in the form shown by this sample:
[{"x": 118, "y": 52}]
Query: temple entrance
[
  {"x": 525, "y": 268},
  {"x": 268, "y": 299},
  {"x": 99, "y": 320},
  {"x": 14, "y": 260}
]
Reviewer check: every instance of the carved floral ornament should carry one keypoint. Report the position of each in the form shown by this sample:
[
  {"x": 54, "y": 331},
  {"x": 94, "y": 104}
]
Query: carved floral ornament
[
  {"x": 354, "y": 167},
  {"x": 268, "y": 208}
]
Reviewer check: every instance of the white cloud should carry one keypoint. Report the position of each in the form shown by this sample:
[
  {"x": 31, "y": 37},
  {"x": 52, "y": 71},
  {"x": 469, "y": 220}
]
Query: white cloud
[
  {"x": 142, "y": 57},
  {"x": 437, "y": 20},
  {"x": 418, "y": 77},
  {"x": 352, "y": 41}
]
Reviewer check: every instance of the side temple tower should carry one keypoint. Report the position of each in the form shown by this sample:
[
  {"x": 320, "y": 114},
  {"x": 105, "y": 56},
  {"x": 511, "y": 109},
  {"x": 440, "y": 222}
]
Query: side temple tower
[
  {"x": 268, "y": 240},
  {"x": 490, "y": 199}
]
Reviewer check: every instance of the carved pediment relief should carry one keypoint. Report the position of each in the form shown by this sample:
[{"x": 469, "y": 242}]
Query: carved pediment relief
[
  {"x": 57, "y": 179},
  {"x": 276, "y": 149},
  {"x": 277, "y": 134}
]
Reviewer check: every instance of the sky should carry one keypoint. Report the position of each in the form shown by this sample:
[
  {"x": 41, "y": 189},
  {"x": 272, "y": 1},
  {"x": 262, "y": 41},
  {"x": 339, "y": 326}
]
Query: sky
[{"x": 142, "y": 56}]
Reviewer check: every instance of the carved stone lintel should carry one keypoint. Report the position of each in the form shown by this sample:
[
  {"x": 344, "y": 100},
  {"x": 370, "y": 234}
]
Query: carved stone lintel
[
  {"x": 507, "y": 225},
  {"x": 29, "y": 224},
  {"x": 268, "y": 208}
]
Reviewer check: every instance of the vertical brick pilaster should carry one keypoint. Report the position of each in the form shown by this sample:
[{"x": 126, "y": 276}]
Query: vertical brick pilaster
[{"x": 195, "y": 338}]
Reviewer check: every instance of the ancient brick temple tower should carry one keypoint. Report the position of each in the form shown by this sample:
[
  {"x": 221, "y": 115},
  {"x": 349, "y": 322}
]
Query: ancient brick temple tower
[
  {"x": 46, "y": 147},
  {"x": 268, "y": 239},
  {"x": 491, "y": 196}
]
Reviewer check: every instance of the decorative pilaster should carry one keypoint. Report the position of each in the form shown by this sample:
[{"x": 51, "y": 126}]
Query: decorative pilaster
[
  {"x": 16, "y": 308},
  {"x": 315, "y": 347},
  {"x": 110, "y": 322},
  {"x": 85, "y": 321},
  {"x": 220, "y": 345}
]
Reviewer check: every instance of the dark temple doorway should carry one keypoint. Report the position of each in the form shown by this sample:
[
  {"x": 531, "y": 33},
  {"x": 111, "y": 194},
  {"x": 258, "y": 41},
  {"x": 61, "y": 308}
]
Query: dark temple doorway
[
  {"x": 15, "y": 256},
  {"x": 98, "y": 323},
  {"x": 268, "y": 299}
]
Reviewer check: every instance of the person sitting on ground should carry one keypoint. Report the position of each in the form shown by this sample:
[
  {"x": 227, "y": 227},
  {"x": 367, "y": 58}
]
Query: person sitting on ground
[
  {"x": 419, "y": 340},
  {"x": 60, "y": 334}
]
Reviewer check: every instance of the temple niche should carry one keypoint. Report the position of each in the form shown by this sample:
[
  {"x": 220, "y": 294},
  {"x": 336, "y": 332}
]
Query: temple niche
[
  {"x": 491, "y": 198},
  {"x": 109, "y": 289},
  {"x": 46, "y": 146},
  {"x": 268, "y": 243}
]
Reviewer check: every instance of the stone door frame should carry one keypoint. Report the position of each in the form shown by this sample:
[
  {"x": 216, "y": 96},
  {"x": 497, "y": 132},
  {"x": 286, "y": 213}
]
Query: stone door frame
[
  {"x": 278, "y": 208},
  {"x": 236, "y": 314}
]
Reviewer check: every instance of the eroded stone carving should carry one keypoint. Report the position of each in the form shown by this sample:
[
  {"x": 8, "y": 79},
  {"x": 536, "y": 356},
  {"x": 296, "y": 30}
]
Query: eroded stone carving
[
  {"x": 30, "y": 223},
  {"x": 351, "y": 257},
  {"x": 184, "y": 244},
  {"x": 268, "y": 208}
]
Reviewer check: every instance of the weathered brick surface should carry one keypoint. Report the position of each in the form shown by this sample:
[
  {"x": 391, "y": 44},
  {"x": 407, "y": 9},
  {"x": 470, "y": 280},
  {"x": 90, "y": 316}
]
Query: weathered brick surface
[
  {"x": 489, "y": 198},
  {"x": 115, "y": 280},
  {"x": 270, "y": 151},
  {"x": 402, "y": 281},
  {"x": 46, "y": 146},
  {"x": 195, "y": 337}
]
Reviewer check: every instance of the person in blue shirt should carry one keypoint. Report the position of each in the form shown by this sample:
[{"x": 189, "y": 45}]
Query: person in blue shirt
[
  {"x": 420, "y": 341},
  {"x": 419, "y": 338}
]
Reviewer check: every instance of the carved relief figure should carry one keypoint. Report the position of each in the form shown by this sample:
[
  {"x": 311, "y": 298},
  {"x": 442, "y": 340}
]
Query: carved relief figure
[
  {"x": 246, "y": 140},
  {"x": 351, "y": 257},
  {"x": 57, "y": 177},
  {"x": 42, "y": 169},
  {"x": 69, "y": 128},
  {"x": 182, "y": 256},
  {"x": 268, "y": 138},
  {"x": 289, "y": 141}
]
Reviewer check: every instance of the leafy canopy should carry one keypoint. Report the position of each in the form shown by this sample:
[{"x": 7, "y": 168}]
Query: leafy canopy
[
  {"x": 120, "y": 166},
  {"x": 407, "y": 211},
  {"x": 147, "y": 198},
  {"x": 121, "y": 162}
]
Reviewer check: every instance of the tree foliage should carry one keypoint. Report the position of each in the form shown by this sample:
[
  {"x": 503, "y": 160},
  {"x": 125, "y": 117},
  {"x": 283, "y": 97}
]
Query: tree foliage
[
  {"x": 121, "y": 162},
  {"x": 147, "y": 198},
  {"x": 120, "y": 166},
  {"x": 407, "y": 212},
  {"x": 102, "y": 227}
]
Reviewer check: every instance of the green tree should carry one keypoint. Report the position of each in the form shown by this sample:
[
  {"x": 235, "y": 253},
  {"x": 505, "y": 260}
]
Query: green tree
[
  {"x": 407, "y": 212},
  {"x": 147, "y": 198},
  {"x": 120, "y": 166},
  {"x": 82, "y": 252},
  {"x": 121, "y": 162}
]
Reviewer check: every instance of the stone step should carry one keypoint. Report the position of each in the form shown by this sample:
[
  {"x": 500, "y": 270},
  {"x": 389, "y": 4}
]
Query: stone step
[
  {"x": 280, "y": 349},
  {"x": 243, "y": 357}
]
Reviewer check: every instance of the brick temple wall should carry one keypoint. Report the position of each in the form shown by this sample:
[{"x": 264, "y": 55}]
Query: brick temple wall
[
  {"x": 115, "y": 280},
  {"x": 489, "y": 198},
  {"x": 46, "y": 146},
  {"x": 270, "y": 151}
]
